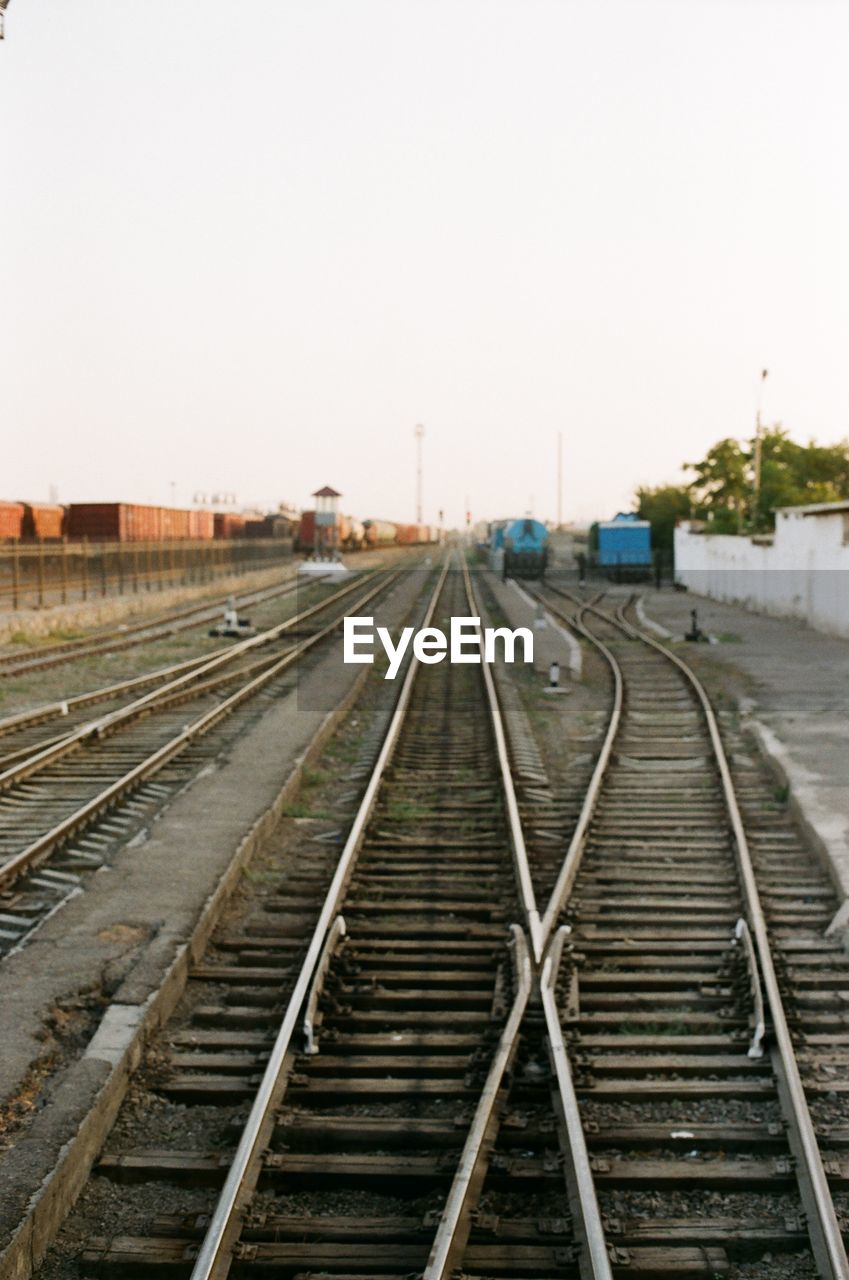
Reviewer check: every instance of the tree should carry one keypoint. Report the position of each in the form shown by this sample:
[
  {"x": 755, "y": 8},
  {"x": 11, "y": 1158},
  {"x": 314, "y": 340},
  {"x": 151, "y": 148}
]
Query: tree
[
  {"x": 723, "y": 491},
  {"x": 663, "y": 507},
  {"x": 722, "y": 488}
]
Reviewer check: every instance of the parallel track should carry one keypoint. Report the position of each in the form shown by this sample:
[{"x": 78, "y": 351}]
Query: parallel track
[
  {"x": 111, "y": 774},
  {"x": 663, "y": 1010},
  {"x": 463, "y": 1084},
  {"x": 23, "y": 733},
  {"x": 58, "y": 652}
]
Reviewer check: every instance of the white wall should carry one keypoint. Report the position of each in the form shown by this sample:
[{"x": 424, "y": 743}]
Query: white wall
[{"x": 803, "y": 574}]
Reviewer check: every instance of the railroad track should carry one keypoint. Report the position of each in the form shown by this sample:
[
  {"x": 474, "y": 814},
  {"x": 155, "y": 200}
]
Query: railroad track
[
  {"x": 64, "y": 805},
  {"x": 689, "y": 1076},
  {"x": 136, "y": 633},
  {"x": 445, "y": 1080},
  {"x": 24, "y": 733},
  {"x": 375, "y": 1150}
]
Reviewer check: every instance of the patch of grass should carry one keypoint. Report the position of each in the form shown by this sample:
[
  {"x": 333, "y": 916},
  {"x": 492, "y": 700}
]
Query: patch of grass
[
  {"x": 297, "y": 809},
  {"x": 406, "y": 811},
  {"x": 781, "y": 793},
  {"x": 729, "y": 637}
]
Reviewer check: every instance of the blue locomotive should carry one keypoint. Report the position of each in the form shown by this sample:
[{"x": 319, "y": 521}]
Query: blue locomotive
[
  {"x": 525, "y": 545},
  {"x": 624, "y": 547}
]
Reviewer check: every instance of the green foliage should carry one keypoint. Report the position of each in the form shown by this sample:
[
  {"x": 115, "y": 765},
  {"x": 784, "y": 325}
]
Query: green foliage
[
  {"x": 664, "y": 507},
  {"x": 723, "y": 484},
  {"x": 722, "y": 491}
]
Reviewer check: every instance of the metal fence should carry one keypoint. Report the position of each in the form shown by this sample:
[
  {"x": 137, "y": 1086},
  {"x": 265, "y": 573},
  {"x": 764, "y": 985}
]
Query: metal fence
[{"x": 35, "y": 574}]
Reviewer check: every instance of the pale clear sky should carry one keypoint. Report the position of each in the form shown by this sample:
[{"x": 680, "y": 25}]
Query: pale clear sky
[{"x": 250, "y": 245}]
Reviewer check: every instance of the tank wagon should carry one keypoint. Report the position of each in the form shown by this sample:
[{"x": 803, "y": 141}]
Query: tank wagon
[
  {"x": 379, "y": 533},
  {"x": 624, "y": 547},
  {"x": 525, "y": 548}
]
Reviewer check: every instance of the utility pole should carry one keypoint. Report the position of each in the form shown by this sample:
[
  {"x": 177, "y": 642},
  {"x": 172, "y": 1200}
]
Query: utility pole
[
  {"x": 758, "y": 440},
  {"x": 559, "y": 480},
  {"x": 419, "y": 434}
]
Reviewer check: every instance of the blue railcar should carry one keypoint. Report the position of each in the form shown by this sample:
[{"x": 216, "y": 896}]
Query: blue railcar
[
  {"x": 624, "y": 546},
  {"x": 525, "y": 549}
]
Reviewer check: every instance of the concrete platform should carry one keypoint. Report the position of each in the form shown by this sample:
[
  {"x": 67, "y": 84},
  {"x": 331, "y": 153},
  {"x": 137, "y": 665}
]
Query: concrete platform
[
  {"x": 552, "y": 642},
  {"x": 792, "y": 688}
]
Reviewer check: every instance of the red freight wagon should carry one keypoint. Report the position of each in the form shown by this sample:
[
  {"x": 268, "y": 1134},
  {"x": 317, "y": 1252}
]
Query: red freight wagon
[
  {"x": 229, "y": 525},
  {"x": 175, "y": 524},
  {"x": 306, "y": 530},
  {"x": 114, "y": 522},
  {"x": 201, "y": 524},
  {"x": 11, "y": 519},
  {"x": 43, "y": 520}
]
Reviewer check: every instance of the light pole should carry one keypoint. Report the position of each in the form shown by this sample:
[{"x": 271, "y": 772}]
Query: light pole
[
  {"x": 418, "y": 432},
  {"x": 758, "y": 441}
]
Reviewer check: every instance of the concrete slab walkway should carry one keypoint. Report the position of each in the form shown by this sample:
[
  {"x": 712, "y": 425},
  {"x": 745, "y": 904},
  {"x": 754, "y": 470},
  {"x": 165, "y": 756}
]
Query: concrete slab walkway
[{"x": 792, "y": 687}]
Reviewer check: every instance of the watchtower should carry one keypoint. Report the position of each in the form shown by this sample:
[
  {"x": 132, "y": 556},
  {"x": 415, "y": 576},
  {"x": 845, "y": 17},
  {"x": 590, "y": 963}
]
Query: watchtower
[{"x": 326, "y": 520}]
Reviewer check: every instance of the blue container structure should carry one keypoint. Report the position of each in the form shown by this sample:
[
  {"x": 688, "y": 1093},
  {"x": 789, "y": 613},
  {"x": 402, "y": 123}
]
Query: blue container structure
[
  {"x": 525, "y": 549},
  {"x": 624, "y": 547}
]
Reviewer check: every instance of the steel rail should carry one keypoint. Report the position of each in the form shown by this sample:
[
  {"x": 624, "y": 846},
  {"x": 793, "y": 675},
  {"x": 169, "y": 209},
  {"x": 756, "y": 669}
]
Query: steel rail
[
  {"x": 514, "y": 822},
  {"x": 823, "y": 1226},
  {"x": 184, "y": 694},
  {"x": 63, "y": 706},
  {"x": 575, "y": 852},
  {"x": 99, "y": 727},
  {"x": 595, "y": 1261},
  {"x": 452, "y": 1233},
  {"x": 127, "y": 637},
  {"x": 44, "y": 845},
  {"x": 213, "y": 1258}
]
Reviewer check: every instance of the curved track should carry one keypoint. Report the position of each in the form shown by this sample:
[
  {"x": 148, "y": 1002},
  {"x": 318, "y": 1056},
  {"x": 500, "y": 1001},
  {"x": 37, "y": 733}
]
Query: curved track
[
  {"x": 658, "y": 879},
  {"x": 447, "y": 1078}
]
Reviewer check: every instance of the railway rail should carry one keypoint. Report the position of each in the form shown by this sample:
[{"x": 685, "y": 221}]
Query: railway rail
[
  {"x": 128, "y": 636},
  {"x": 59, "y": 801},
  {"x": 445, "y": 1078},
  {"x": 661, "y": 861},
  {"x": 24, "y": 734}
]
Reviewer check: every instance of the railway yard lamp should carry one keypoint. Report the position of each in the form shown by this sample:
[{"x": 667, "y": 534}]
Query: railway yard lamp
[
  {"x": 418, "y": 432},
  {"x": 758, "y": 439}
]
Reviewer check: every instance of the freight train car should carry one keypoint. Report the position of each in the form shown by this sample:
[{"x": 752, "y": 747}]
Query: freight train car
[
  {"x": 134, "y": 522},
  {"x": 228, "y": 524},
  {"x": 201, "y": 524},
  {"x": 525, "y": 549},
  {"x": 11, "y": 519},
  {"x": 347, "y": 535},
  {"x": 114, "y": 522},
  {"x": 379, "y": 532},
  {"x": 43, "y": 520},
  {"x": 624, "y": 547}
]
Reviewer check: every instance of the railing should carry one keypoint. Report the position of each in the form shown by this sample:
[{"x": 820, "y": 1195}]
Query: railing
[{"x": 43, "y": 572}]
